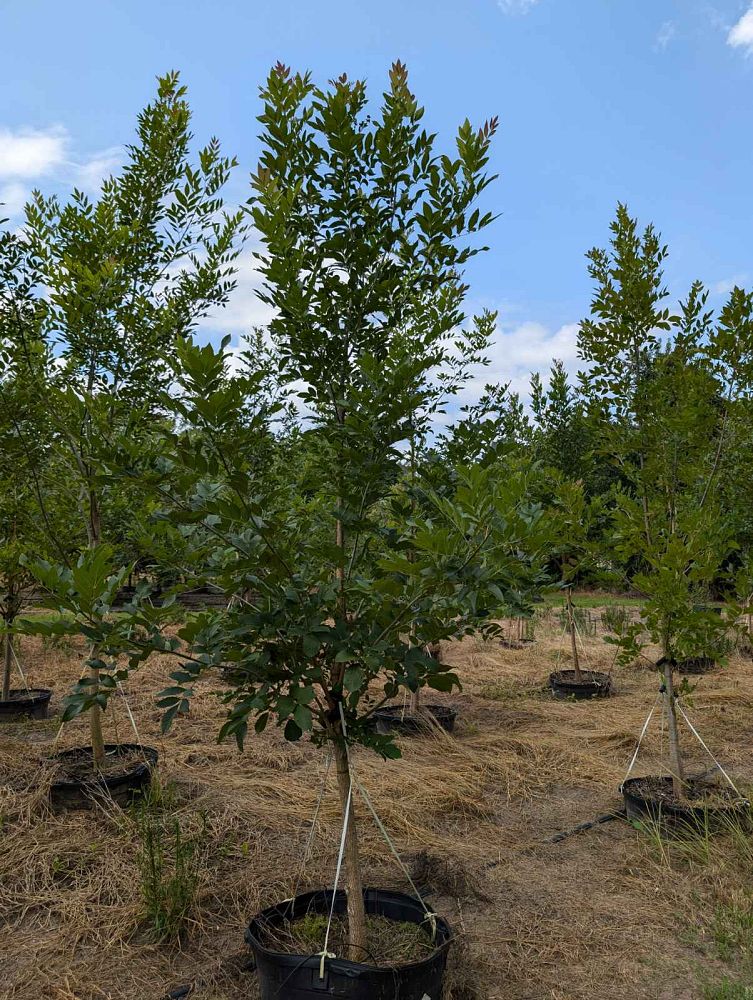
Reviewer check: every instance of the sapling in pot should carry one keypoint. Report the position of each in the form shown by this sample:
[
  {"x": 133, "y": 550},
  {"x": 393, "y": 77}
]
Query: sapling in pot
[
  {"x": 24, "y": 431},
  {"x": 116, "y": 281},
  {"x": 577, "y": 531},
  {"x": 363, "y": 228},
  {"x": 662, "y": 387}
]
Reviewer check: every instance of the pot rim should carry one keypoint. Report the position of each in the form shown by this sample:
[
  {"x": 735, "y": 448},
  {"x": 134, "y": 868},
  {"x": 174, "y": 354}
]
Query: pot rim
[{"x": 325, "y": 895}]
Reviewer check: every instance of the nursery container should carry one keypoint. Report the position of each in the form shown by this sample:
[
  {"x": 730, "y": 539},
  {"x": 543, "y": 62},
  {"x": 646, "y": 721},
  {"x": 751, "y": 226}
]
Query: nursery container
[
  {"x": 696, "y": 665},
  {"x": 650, "y": 798},
  {"x": 395, "y": 719},
  {"x": 592, "y": 685},
  {"x": 298, "y": 977},
  {"x": 71, "y": 791},
  {"x": 33, "y": 703}
]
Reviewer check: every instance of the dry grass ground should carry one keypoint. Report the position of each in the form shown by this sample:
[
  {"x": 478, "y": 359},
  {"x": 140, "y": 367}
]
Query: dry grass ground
[{"x": 601, "y": 914}]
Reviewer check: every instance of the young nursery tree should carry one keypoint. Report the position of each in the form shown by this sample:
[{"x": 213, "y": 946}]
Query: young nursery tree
[
  {"x": 117, "y": 280},
  {"x": 24, "y": 431},
  {"x": 364, "y": 229},
  {"x": 576, "y": 526},
  {"x": 663, "y": 405}
]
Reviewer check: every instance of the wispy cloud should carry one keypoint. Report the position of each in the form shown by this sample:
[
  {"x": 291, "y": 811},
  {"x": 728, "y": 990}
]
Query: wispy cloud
[
  {"x": 45, "y": 157},
  {"x": 90, "y": 172},
  {"x": 517, "y": 352},
  {"x": 741, "y": 33},
  {"x": 725, "y": 286},
  {"x": 516, "y": 6},
  {"x": 13, "y": 197},
  {"x": 666, "y": 33},
  {"x": 245, "y": 310},
  {"x": 27, "y": 153}
]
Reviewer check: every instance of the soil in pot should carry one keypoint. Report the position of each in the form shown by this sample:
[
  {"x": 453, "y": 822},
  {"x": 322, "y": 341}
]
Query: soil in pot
[
  {"x": 395, "y": 719},
  {"x": 124, "y": 775},
  {"x": 653, "y": 797},
  {"x": 592, "y": 684},
  {"x": 405, "y": 961},
  {"x": 23, "y": 704},
  {"x": 388, "y": 942}
]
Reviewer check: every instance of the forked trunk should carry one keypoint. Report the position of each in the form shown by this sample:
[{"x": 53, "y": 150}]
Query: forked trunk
[
  {"x": 7, "y": 661},
  {"x": 675, "y": 756},
  {"x": 353, "y": 883},
  {"x": 573, "y": 636}
]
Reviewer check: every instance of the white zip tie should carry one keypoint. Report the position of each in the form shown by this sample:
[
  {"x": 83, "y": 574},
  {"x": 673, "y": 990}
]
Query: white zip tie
[
  {"x": 697, "y": 735},
  {"x": 640, "y": 739}
]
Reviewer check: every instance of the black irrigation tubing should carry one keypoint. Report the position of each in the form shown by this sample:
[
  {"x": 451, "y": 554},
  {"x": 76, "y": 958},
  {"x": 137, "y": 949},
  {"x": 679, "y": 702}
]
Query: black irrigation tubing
[{"x": 604, "y": 818}]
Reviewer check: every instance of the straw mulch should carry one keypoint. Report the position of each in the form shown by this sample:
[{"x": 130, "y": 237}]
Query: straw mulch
[{"x": 600, "y": 914}]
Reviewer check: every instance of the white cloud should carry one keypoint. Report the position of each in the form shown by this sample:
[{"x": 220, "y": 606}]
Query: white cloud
[
  {"x": 741, "y": 34},
  {"x": 664, "y": 35},
  {"x": 91, "y": 172},
  {"x": 13, "y": 197},
  {"x": 30, "y": 152},
  {"x": 28, "y": 155},
  {"x": 518, "y": 352},
  {"x": 516, "y": 6},
  {"x": 725, "y": 286},
  {"x": 245, "y": 310}
]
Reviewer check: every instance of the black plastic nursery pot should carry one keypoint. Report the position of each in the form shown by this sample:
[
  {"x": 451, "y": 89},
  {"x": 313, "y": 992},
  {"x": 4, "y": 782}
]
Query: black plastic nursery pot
[
  {"x": 298, "y": 977},
  {"x": 696, "y": 665},
  {"x": 77, "y": 785},
  {"x": 23, "y": 704},
  {"x": 651, "y": 798},
  {"x": 593, "y": 684},
  {"x": 516, "y": 643},
  {"x": 395, "y": 719}
]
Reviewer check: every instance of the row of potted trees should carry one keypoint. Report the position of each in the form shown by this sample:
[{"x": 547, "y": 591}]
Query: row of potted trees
[{"x": 345, "y": 573}]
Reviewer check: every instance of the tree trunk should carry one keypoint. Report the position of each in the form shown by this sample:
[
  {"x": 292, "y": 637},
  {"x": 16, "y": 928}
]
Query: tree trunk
[
  {"x": 95, "y": 712},
  {"x": 573, "y": 637},
  {"x": 353, "y": 883},
  {"x": 95, "y": 717},
  {"x": 675, "y": 756},
  {"x": 7, "y": 661}
]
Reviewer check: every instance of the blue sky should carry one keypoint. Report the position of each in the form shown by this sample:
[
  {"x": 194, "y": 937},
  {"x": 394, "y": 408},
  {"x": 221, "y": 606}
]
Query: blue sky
[{"x": 646, "y": 101}]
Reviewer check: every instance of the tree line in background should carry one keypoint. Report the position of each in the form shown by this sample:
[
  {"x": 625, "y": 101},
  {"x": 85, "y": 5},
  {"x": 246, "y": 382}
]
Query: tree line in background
[{"x": 306, "y": 474}]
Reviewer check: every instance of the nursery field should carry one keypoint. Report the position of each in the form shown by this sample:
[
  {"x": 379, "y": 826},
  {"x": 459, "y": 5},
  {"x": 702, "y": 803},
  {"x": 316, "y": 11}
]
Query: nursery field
[{"x": 607, "y": 912}]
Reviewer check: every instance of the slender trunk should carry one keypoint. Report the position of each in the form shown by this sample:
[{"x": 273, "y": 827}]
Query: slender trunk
[
  {"x": 415, "y": 702},
  {"x": 95, "y": 712},
  {"x": 340, "y": 573},
  {"x": 7, "y": 660},
  {"x": 675, "y": 756},
  {"x": 573, "y": 637},
  {"x": 95, "y": 717},
  {"x": 353, "y": 883}
]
